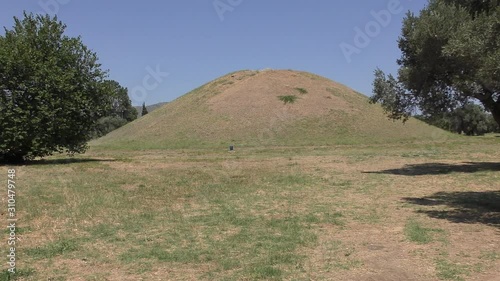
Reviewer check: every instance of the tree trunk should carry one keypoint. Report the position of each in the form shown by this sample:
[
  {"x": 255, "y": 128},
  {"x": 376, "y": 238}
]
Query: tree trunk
[
  {"x": 495, "y": 111},
  {"x": 493, "y": 106}
]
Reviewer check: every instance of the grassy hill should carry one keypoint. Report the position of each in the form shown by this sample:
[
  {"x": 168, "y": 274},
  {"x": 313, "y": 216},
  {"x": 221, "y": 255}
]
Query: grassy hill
[{"x": 273, "y": 107}]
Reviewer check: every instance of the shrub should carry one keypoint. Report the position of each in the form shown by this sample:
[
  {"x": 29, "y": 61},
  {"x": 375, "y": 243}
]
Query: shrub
[
  {"x": 107, "y": 124},
  {"x": 288, "y": 99},
  {"x": 301, "y": 90}
]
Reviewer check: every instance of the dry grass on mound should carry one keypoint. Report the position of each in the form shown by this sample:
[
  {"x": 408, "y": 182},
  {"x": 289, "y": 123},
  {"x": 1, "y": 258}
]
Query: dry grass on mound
[{"x": 247, "y": 108}]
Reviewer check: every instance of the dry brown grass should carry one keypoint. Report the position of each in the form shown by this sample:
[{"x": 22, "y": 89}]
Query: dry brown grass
[
  {"x": 243, "y": 108},
  {"x": 218, "y": 212}
]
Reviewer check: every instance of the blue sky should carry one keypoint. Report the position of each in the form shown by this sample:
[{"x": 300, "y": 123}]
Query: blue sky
[{"x": 195, "y": 41}]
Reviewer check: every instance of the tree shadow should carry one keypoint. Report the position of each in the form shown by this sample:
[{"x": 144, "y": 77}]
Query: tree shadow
[
  {"x": 461, "y": 207},
  {"x": 440, "y": 168},
  {"x": 61, "y": 161}
]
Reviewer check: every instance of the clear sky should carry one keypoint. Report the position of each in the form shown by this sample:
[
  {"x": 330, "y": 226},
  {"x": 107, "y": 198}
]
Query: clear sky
[{"x": 195, "y": 41}]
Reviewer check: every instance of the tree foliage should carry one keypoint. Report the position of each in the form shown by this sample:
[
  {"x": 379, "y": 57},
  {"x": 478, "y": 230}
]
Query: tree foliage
[
  {"x": 470, "y": 119},
  {"x": 450, "y": 56},
  {"x": 108, "y": 124},
  {"x": 144, "y": 109},
  {"x": 121, "y": 105},
  {"x": 119, "y": 113},
  {"x": 475, "y": 7},
  {"x": 52, "y": 90}
]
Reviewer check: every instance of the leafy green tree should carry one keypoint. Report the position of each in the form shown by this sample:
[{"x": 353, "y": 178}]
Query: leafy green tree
[
  {"x": 121, "y": 106},
  {"x": 476, "y": 6},
  {"x": 108, "y": 124},
  {"x": 119, "y": 113},
  {"x": 450, "y": 55},
  {"x": 144, "y": 109},
  {"x": 493, "y": 126},
  {"x": 51, "y": 90},
  {"x": 470, "y": 119}
]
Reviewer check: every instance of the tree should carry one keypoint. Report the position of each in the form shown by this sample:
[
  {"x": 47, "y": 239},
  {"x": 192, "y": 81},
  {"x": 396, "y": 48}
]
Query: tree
[
  {"x": 493, "y": 126},
  {"x": 121, "y": 106},
  {"x": 51, "y": 90},
  {"x": 144, "y": 109},
  {"x": 108, "y": 124},
  {"x": 450, "y": 56},
  {"x": 475, "y": 7},
  {"x": 120, "y": 113},
  {"x": 470, "y": 119}
]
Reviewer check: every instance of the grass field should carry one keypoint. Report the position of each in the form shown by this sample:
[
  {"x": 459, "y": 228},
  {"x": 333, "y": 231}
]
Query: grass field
[{"x": 427, "y": 211}]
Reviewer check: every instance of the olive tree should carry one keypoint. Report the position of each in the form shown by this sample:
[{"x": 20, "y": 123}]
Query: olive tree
[{"x": 450, "y": 57}]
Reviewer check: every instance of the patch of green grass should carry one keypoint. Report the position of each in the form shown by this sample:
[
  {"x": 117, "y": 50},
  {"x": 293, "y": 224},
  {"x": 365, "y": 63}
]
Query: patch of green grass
[
  {"x": 348, "y": 264},
  {"x": 161, "y": 253},
  {"x": 344, "y": 184},
  {"x": 229, "y": 264},
  {"x": 340, "y": 257},
  {"x": 266, "y": 272},
  {"x": 291, "y": 179},
  {"x": 302, "y": 90},
  {"x": 5, "y": 275},
  {"x": 490, "y": 255},
  {"x": 104, "y": 231},
  {"x": 447, "y": 270},
  {"x": 288, "y": 99},
  {"x": 416, "y": 232},
  {"x": 232, "y": 232},
  {"x": 325, "y": 217},
  {"x": 19, "y": 230},
  {"x": 265, "y": 247},
  {"x": 53, "y": 249},
  {"x": 371, "y": 216}
]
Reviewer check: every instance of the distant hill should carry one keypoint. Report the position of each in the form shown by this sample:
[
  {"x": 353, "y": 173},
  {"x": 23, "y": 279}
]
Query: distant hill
[
  {"x": 272, "y": 107},
  {"x": 150, "y": 108}
]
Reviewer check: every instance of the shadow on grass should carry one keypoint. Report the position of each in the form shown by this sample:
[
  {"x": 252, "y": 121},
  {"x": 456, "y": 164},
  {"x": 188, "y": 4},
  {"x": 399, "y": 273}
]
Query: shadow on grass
[
  {"x": 61, "y": 161},
  {"x": 461, "y": 207},
  {"x": 440, "y": 169}
]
